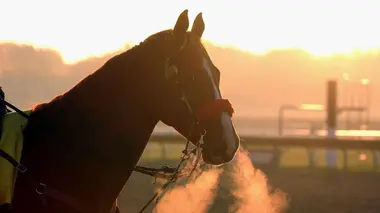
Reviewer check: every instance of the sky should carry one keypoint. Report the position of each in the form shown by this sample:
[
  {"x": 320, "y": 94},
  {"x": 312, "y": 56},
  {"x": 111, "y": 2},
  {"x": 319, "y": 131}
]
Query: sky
[{"x": 83, "y": 28}]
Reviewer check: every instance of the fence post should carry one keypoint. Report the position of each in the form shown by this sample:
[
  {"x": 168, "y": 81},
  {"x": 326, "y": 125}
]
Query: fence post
[{"x": 331, "y": 154}]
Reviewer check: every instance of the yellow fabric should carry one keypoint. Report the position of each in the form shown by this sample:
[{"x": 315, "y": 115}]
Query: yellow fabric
[{"x": 11, "y": 142}]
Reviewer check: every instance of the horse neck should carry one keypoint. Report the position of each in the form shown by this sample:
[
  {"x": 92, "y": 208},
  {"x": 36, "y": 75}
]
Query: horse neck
[
  {"x": 112, "y": 99},
  {"x": 106, "y": 114}
]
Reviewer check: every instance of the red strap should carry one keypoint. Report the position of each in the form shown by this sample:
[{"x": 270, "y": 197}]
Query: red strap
[{"x": 214, "y": 108}]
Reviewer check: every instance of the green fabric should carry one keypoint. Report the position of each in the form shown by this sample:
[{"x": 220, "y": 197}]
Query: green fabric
[{"x": 11, "y": 142}]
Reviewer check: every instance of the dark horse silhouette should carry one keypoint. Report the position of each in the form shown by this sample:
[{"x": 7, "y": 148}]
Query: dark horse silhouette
[{"x": 86, "y": 142}]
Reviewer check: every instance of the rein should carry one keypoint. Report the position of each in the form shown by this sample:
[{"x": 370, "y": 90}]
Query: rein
[
  {"x": 207, "y": 111},
  {"x": 171, "y": 174},
  {"x": 42, "y": 189},
  {"x": 176, "y": 172},
  {"x": 174, "y": 176}
]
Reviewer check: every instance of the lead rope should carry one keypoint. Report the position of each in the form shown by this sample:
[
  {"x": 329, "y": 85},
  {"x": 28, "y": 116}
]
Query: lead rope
[
  {"x": 186, "y": 155},
  {"x": 16, "y": 109},
  {"x": 172, "y": 179},
  {"x": 198, "y": 150},
  {"x": 174, "y": 176}
]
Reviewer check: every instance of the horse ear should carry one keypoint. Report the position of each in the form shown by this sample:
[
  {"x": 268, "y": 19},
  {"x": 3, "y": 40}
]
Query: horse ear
[
  {"x": 182, "y": 24},
  {"x": 198, "y": 26}
]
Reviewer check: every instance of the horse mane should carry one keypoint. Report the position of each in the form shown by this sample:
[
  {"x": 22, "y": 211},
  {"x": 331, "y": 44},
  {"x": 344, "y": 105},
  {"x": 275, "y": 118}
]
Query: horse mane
[{"x": 129, "y": 53}]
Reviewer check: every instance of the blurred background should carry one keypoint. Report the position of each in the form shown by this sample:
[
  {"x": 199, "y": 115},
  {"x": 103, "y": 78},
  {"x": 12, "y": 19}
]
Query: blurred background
[{"x": 276, "y": 59}]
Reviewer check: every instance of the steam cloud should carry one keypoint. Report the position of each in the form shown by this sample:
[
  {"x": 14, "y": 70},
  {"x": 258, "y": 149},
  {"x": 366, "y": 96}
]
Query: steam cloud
[
  {"x": 251, "y": 190},
  {"x": 194, "y": 197}
]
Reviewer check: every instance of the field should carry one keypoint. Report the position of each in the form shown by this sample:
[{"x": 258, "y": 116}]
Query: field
[{"x": 309, "y": 190}]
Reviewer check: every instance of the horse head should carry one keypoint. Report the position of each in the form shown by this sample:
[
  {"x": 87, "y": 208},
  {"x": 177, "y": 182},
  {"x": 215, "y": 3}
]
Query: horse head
[{"x": 189, "y": 98}]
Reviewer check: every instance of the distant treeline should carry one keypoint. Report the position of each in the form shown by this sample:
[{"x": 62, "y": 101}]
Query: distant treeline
[{"x": 255, "y": 84}]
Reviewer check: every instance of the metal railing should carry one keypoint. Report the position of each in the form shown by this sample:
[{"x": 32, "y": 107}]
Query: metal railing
[{"x": 279, "y": 144}]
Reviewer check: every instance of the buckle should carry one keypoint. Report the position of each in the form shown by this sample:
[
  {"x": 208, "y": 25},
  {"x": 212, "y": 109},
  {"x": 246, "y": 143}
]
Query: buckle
[
  {"x": 21, "y": 168},
  {"x": 40, "y": 188}
]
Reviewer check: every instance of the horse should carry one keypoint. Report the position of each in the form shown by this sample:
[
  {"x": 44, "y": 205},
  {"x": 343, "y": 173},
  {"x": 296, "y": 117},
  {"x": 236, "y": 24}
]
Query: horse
[{"x": 82, "y": 146}]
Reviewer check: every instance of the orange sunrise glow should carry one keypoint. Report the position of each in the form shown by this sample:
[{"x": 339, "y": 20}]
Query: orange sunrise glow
[
  {"x": 79, "y": 29},
  {"x": 276, "y": 109}
]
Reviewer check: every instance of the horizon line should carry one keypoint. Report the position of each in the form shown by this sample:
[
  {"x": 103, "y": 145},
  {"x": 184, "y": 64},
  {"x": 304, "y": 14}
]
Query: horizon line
[{"x": 127, "y": 45}]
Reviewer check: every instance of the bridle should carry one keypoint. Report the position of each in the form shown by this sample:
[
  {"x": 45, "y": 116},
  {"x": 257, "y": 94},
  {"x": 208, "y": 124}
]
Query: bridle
[{"x": 205, "y": 112}]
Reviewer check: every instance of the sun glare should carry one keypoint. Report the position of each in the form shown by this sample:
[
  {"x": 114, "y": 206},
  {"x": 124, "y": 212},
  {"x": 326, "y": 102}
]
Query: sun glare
[{"x": 79, "y": 31}]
